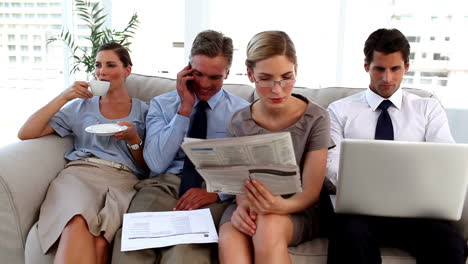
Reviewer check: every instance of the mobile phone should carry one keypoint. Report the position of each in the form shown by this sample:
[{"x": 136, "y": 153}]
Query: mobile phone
[{"x": 189, "y": 82}]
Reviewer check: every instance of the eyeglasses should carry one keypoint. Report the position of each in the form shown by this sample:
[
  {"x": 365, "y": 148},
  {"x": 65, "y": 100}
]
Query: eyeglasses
[{"x": 270, "y": 83}]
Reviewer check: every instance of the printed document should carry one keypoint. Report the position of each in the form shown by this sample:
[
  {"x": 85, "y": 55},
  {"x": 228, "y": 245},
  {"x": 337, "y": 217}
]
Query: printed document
[
  {"x": 226, "y": 163},
  {"x": 162, "y": 229}
]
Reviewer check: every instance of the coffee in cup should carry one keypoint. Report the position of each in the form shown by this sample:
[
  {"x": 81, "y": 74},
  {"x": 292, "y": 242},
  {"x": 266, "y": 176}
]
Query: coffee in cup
[{"x": 98, "y": 88}]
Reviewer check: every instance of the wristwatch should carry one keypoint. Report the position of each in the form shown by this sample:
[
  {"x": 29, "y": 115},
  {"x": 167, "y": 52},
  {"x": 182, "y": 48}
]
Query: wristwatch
[{"x": 135, "y": 146}]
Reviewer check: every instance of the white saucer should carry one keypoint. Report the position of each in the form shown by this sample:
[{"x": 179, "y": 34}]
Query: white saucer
[{"x": 105, "y": 129}]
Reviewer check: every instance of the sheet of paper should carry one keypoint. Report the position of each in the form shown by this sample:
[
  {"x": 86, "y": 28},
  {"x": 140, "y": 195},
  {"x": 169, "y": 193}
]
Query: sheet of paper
[{"x": 161, "y": 229}]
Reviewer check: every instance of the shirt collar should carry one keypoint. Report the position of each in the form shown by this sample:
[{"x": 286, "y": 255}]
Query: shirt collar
[
  {"x": 213, "y": 101},
  {"x": 374, "y": 99}
]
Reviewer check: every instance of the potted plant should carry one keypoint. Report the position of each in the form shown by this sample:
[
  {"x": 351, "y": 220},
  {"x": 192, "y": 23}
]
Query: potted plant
[{"x": 94, "y": 17}]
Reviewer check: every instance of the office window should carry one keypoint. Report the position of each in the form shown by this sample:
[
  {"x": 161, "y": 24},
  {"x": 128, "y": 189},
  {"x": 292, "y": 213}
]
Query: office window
[
  {"x": 12, "y": 59},
  {"x": 447, "y": 38},
  {"x": 409, "y": 73},
  {"x": 24, "y": 48},
  {"x": 414, "y": 39},
  {"x": 434, "y": 74},
  {"x": 432, "y": 38},
  {"x": 442, "y": 82},
  {"x": 28, "y": 5},
  {"x": 411, "y": 55},
  {"x": 41, "y": 4},
  {"x": 11, "y": 37},
  {"x": 36, "y": 38},
  {"x": 438, "y": 56},
  {"x": 37, "y": 60},
  {"x": 407, "y": 81},
  {"x": 17, "y": 16},
  {"x": 36, "y": 48},
  {"x": 24, "y": 59},
  {"x": 426, "y": 81}
]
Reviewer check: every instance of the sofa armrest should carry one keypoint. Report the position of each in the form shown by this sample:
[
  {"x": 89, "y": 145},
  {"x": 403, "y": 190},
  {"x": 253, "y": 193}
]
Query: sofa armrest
[{"x": 26, "y": 169}]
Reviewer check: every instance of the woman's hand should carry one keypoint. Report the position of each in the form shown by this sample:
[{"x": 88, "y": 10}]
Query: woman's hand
[
  {"x": 261, "y": 200},
  {"x": 79, "y": 89},
  {"x": 130, "y": 134},
  {"x": 243, "y": 219}
]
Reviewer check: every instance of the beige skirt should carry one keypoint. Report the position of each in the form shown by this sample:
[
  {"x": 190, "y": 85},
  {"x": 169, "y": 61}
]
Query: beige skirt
[{"x": 99, "y": 193}]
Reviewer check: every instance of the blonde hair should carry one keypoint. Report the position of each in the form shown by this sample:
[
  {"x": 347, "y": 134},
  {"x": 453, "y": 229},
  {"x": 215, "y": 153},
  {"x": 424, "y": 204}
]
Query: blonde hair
[{"x": 267, "y": 44}]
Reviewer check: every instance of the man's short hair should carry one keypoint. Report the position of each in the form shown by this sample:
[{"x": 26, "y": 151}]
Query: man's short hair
[
  {"x": 211, "y": 44},
  {"x": 386, "y": 41}
]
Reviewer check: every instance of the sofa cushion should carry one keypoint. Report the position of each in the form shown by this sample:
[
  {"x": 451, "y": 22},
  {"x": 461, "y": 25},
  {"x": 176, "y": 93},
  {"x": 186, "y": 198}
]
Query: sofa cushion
[
  {"x": 33, "y": 251},
  {"x": 315, "y": 252}
]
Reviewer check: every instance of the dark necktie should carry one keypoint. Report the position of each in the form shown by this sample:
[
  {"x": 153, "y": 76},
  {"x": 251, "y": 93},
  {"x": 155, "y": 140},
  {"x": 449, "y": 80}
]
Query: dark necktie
[
  {"x": 384, "y": 128},
  {"x": 190, "y": 177}
]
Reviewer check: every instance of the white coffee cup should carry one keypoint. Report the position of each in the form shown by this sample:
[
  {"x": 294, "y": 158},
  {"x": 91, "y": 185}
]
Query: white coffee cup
[{"x": 98, "y": 88}]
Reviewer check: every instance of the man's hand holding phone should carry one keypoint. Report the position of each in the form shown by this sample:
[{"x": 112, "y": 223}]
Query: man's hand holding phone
[{"x": 185, "y": 91}]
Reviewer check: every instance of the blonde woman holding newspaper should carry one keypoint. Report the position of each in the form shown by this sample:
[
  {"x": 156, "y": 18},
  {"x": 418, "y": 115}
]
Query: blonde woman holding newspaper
[{"x": 259, "y": 227}]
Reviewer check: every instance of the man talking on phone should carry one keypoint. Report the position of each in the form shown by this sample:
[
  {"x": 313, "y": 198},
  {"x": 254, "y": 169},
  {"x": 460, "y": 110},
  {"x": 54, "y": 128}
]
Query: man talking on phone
[{"x": 199, "y": 108}]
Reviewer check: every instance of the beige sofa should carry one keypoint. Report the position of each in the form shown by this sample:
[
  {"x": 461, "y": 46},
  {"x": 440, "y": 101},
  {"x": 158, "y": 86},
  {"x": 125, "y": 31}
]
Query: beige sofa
[{"x": 27, "y": 168}]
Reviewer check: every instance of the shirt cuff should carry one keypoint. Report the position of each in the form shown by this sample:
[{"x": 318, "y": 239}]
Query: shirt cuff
[{"x": 223, "y": 197}]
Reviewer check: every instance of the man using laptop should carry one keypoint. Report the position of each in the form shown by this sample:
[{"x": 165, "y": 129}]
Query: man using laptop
[
  {"x": 199, "y": 108},
  {"x": 386, "y": 112}
]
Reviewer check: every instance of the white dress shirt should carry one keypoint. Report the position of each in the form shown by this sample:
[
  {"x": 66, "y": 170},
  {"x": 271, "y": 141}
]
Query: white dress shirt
[{"x": 414, "y": 118}]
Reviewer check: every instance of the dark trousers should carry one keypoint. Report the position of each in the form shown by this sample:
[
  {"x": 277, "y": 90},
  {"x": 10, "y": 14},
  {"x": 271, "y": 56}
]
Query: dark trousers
[{"x": 357, "y": 239}]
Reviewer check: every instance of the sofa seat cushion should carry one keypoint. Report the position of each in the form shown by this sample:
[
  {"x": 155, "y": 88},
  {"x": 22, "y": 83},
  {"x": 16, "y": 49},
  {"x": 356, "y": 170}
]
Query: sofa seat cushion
[{"x": 315, "y": 252}]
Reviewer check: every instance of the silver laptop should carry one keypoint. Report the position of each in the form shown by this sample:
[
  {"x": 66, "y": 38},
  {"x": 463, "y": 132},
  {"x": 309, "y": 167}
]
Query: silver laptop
[{"x": 402, "y": 179}]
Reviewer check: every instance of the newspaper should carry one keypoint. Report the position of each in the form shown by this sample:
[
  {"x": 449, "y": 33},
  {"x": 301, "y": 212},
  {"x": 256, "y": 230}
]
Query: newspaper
[{"x": 226, "y": 163}]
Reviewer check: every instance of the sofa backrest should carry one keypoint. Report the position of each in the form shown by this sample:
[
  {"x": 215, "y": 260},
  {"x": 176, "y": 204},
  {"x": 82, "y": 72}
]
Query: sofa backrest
[
  {"x": 325, "y": 96},
  {"x": 146, "y": 87}
]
